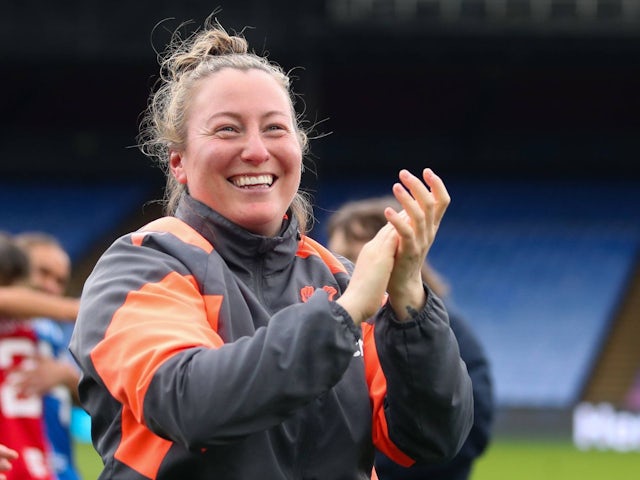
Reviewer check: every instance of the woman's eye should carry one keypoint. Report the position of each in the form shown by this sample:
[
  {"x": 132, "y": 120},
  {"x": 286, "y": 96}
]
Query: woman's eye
[{"x": 226, "y": 130}]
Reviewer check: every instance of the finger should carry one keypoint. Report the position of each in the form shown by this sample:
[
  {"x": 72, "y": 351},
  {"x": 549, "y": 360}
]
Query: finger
[
  {"x": 7, "y": 452},
  {"x": 410, "y": 207},
  {"x": 384, "y": 242},
  {"x": 414, "y": 209},
  {"x": 6, "y": 455},
  {"x": 401, "y": 227},
  {"x": 388, "y": 232},
  {"x": 423, "y": 201},
  {"x": 413, "y": 184},
  {"x": 439, "y": 192}
]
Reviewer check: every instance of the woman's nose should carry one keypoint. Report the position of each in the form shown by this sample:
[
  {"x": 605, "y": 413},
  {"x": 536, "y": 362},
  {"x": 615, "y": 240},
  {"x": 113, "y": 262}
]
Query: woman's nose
[{"x": 255, "y": 150}]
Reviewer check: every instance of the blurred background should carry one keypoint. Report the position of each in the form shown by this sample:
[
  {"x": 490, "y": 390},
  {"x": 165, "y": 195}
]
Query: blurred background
[{"x": 528, "y": 109}]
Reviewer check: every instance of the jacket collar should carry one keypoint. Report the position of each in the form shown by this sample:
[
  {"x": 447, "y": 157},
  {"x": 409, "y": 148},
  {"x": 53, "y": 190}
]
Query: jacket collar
[{"x": 236, "y": 245}]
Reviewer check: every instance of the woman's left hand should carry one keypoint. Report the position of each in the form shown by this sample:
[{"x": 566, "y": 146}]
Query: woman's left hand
[{"x": 416, "y": 226}]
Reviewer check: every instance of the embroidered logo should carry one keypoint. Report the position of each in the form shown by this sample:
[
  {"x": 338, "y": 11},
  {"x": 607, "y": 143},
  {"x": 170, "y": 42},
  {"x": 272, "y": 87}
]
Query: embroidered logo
[
  {"x": 331, "y": 291},
  {"x": 308, "y": 290}
]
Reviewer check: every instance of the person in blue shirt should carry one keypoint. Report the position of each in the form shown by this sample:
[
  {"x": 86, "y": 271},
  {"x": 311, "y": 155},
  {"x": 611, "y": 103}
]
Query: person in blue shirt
[{"x": 55, "y": 376}]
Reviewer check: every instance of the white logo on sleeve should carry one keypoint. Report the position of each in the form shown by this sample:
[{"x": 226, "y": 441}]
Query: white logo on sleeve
[{"x": 360, "y": 351}]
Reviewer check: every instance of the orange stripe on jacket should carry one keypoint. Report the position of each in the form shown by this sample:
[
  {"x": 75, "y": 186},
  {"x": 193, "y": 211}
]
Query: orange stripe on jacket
[
  {"x": 307, "y": 247},
  {"x": 175, "y": 226},
  {"x": 138, "y": 341},
  {"x": 377, "y": 391},
  {"x": 142, "y": 451}
]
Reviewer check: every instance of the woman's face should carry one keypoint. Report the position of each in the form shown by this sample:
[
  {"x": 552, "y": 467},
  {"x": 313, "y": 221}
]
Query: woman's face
[{"x": 242, "y": 156}]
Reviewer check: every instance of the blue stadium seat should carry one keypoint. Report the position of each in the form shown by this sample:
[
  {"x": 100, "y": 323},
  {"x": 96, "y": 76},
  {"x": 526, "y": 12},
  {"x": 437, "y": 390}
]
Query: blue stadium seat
[{"x": 79, "y": 214}]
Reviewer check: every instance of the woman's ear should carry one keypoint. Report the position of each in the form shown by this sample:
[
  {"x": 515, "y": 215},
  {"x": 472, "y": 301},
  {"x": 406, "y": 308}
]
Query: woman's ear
[{"x": 176, "y": 167}]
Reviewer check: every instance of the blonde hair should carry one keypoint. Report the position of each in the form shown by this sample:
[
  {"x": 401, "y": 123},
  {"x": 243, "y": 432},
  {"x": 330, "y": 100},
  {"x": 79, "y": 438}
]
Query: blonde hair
[{"x": 185, "y": 62}]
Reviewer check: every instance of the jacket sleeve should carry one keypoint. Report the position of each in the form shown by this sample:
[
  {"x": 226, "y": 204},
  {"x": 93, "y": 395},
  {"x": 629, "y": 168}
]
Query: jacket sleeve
[
  {"x": 478, "y": 366},
  {"x": 422, "y": 395},
  {"x": 145, "y": 334}
]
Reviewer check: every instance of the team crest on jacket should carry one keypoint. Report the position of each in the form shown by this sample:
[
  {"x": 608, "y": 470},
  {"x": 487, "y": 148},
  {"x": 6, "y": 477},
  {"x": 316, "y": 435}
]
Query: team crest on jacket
[{"x": 308, "y": 290}]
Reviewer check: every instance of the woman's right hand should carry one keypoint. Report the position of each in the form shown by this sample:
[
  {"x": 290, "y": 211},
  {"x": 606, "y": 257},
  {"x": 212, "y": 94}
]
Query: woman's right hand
[{"x": 365, "y": 292}]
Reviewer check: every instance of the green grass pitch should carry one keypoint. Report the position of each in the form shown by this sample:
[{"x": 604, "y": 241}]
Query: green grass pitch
[
  {"x": 518, "y": 459},
  {"x": 506, "y": 459}
]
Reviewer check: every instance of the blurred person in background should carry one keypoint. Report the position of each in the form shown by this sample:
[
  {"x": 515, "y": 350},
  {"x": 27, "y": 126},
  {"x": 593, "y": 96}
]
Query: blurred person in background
[
  {"x": 221, "y": 341},
  {"x": 7, "y": 456},
  {"x": 22, "y": 426},
  {"x": 22, "y": 301},
  {"x": 348, "y": 229},
  {"x": 54, "y": 375}
]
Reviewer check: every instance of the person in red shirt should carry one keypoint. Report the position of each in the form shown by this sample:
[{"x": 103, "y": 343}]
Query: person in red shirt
[{"x": 21, "y": 417}]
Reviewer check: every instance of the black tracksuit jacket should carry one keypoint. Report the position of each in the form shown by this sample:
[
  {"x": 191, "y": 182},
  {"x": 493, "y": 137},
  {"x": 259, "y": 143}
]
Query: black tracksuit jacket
[{"x": 209, "y": 352}]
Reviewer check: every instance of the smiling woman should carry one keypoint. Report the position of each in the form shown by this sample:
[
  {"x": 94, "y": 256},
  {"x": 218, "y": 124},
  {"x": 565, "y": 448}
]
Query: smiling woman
[
  {"x": 240, "y": 106},
  {"x": 242, "y": 155},
  {"x": 222, "y": 342}
]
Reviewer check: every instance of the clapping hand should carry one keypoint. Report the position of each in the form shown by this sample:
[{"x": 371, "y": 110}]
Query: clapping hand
[
  {"x": 416, "y": 226},
  {"x": 392, "y": 261}
]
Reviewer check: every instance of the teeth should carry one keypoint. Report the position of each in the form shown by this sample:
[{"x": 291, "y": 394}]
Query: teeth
[{"x": 246, "y": 181}]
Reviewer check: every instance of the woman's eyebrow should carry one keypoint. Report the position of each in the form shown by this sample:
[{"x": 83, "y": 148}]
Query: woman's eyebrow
[{"x": 238, "y": 116}]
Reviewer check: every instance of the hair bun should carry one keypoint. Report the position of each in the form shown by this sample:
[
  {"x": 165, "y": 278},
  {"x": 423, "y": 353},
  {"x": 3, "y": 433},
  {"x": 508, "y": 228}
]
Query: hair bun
[
  {"x": 224, "y": 44},
  {"x": 187, "y": 54}
]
